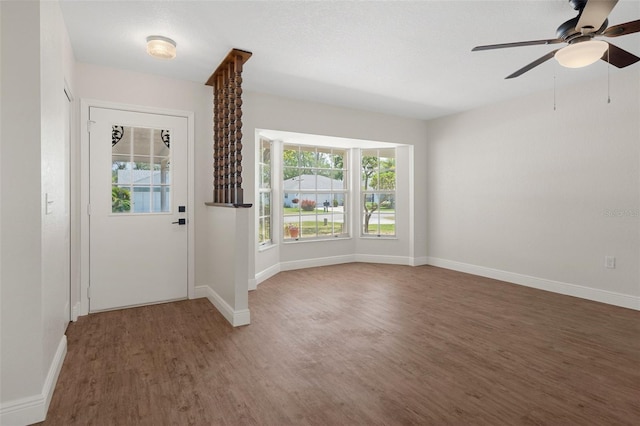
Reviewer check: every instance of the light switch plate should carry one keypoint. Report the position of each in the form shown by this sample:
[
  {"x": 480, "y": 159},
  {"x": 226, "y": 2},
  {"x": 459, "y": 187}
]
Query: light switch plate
[{"x": 610, "y": 262}]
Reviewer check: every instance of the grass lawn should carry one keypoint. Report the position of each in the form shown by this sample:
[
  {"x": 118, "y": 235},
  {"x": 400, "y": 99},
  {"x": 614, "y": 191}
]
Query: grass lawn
[
  {"x": 385, "y": 229},
  {"x": 308, "y": 229},
  {"x": 294, "y": 210}
]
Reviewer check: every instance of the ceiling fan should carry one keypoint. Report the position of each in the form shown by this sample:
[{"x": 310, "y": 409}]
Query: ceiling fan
[{"x": 580, "y": 33}]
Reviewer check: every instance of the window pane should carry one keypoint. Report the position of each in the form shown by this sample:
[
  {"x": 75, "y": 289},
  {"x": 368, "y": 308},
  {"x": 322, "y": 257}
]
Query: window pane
[
  {"x": 307, "y": 158},
  {"x": 368, "y": 171},
  {"x": 291, "y": 201},
  {"x": 121, "y": 172},
  {"x": 265, "y": 174},
  {"x": 308, "y": 203},
  {"x": 338, "y": 159},
  {"x": 161, "y": 199},
  {"x": 161, "y": 142},
  {"x": 378, "y": 182},
  {"x": 338, "y": 201},
  {"x": 338, "y": 180},
  {"x": 387, "y": 201},
  {"x": 290, "y": 156},
  {"x": 314, "y": 192},
  {"x": 265, "y": 204},
  {"x": 291, "y": 226},
  {"x": 141, "y": 199},
  {"x": 264, "y": 198},
  {"x": 264, "y": 229},
  {"x": 120, "y": 199},
  {"x": 338, "y": 222},
  {"x": 387, "y": 174},
  {"x": 291, "y": 177},
  {"x": 309, "y": 227},
  {"x": 265, "y": 156},
  {"x": 325, "y": 159},
  {"x": 141, "y": 165}
]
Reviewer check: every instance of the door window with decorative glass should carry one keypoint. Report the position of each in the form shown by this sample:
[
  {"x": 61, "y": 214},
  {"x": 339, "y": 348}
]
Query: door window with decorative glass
[{"x": 140, "y": 170}]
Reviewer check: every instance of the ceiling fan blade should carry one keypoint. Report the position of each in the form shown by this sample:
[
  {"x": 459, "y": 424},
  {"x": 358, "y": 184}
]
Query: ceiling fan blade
[
  {"x": 533, "y": 64},
  {"x": 619, "y": 57},
  {"x": 622, "y": 29},
  {"x": 517, "y": 44},
  {"x": 594, "y": 14}
]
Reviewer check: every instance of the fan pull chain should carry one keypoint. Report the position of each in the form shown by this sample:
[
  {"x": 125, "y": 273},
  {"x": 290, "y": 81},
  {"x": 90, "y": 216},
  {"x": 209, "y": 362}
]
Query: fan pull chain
[
  {"x": 608, "y": 76},
  {"x": 554, "y": 86}
]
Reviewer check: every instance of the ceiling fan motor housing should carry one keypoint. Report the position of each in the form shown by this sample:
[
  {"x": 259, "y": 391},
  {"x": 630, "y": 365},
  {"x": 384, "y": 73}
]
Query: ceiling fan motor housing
[
  {"x": 568, "y": 32},
  {"x": 578, "y": 4}
]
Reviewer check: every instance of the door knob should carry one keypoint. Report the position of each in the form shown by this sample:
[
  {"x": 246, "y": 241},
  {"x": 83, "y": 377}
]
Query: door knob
[{"x": 181, "y": 222}]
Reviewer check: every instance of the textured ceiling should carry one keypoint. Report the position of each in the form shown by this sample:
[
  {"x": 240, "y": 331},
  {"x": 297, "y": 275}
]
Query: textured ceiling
[{"x": 408, "y": 58}]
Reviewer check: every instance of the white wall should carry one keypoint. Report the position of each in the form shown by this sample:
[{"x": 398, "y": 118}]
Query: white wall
[
  {"x": 34, "y": 247},
  {"x": 22, "y": 334},
  {"x": 522, "y": 192},
  {"x": 55, "y": 179},
  {"x": 262, "y": 111},
  {"x": 226, "y": 282},
  {"x": 125, "y": 87}
]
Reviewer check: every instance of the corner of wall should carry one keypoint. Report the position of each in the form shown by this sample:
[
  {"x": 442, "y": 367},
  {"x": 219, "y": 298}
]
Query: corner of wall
[{"x": 34, "y": 408}]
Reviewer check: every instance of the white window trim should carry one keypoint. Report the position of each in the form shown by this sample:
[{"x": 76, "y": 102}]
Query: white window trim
[
  {"x": 348, "y": 223},
  {"x": 264, "y": 245},
  {"x": 361, "y": 192}
]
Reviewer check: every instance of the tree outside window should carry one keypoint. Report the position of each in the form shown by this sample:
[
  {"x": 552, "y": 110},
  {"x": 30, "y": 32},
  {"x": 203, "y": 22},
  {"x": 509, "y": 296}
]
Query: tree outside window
[{"x": 378, "y": 185}]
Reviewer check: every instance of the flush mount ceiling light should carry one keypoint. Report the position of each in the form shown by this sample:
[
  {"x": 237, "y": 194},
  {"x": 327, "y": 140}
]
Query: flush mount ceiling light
[
  {"x": 581, "y": 54},
  {"x": 161, "y": 47}
]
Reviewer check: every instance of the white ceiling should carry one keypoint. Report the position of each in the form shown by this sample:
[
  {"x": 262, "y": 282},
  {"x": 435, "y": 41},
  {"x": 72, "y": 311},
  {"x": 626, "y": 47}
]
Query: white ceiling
[{"x": 409, "y": 58}]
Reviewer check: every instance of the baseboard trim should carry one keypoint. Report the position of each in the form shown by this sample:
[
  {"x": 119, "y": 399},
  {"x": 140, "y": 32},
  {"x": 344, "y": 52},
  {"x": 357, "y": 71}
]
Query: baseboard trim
[
  {"x": 75, "y": 312},
  {"x": 420, "y": 261},
  {"x": 390, "y": 260},
  {"x": 33, "y": 409},
  {"x": 252, "y": 284},
  {"x": 597, "y": 295},
  {"x": 335, "y": 260},
  {"x": 262, "y": 276},
  {"x": 235, "y": 318},
  {"x": 313, "y": 263}
]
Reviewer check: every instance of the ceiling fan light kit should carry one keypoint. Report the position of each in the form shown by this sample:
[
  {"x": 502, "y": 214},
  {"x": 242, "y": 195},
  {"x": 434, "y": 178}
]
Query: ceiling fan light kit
[
  {"x": 578, "y": 55},
  {"x": 580, "y": 33},
  {"x": 161, "y": 47}
]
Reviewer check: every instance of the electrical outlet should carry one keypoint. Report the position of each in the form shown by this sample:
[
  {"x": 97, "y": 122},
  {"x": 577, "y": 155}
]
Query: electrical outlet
[{"x": 610, "y": 262}]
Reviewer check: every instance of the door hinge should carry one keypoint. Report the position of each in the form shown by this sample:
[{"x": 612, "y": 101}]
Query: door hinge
[
  {"x": 89, "y": 292},
  {"x": 89, "y": 209},
  {"x": 90, "y": 124}
]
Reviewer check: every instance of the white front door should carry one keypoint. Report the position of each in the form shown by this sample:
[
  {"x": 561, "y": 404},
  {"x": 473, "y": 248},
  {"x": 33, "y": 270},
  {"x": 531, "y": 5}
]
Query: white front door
[{"x": 138, "y": 199}]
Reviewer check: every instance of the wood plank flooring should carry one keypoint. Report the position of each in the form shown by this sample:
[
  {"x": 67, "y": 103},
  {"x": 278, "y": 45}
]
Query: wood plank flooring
[{"x": 358, "y": 344}]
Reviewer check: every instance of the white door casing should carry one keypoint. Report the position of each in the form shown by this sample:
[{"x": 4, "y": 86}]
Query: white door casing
[{"x": 137, "y": 255}]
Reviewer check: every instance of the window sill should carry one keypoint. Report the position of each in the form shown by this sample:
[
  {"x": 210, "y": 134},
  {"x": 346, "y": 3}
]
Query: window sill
[
  {"x": 266, "y": 247},
  {"x": 315, "y": 240},
  {"x": 378, "y": 237}
]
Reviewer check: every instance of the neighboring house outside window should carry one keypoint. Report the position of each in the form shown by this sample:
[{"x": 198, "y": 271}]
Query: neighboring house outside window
[
  {"x": 265, "y": 193},
  {"x": 378, "y": 186},
  {"x": 315, "y": 190}
]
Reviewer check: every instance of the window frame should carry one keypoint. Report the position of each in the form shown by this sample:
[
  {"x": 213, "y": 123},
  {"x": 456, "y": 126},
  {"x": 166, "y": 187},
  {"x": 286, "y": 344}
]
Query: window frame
[
  {"x": 341, "y": 194},
  {"x": 378, "y": 193},
  {"x": 265, "y": 187}
]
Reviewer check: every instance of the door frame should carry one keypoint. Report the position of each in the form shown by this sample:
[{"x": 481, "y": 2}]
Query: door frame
[{"x": 85, "y": 105}]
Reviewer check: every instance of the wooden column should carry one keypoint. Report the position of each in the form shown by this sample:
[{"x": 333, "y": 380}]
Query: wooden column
[{"x": 227, "y": 129}]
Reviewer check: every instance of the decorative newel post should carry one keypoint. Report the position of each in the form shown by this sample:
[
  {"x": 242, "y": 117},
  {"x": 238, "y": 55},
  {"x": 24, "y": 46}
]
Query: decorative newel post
[{"x": 227, "y": 129}]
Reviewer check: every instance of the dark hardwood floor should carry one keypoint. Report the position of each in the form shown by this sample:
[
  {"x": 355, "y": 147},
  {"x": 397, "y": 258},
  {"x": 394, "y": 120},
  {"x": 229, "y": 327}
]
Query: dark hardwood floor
[{"x": 358, "y": 344}]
